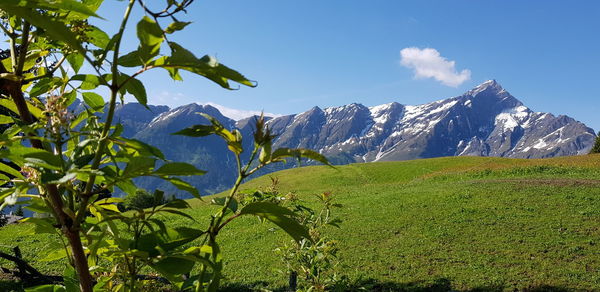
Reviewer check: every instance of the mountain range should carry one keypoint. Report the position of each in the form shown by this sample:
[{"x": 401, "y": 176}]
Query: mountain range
[{"x": 485, "y": 121}]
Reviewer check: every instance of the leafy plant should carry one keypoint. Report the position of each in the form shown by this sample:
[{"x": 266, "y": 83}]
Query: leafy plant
[
  {"x": 62, "y": 164},
  {"x": 19, "y": 211},
  {"x": 309, "y": 260},
  {"x": 262, "y": 155}
]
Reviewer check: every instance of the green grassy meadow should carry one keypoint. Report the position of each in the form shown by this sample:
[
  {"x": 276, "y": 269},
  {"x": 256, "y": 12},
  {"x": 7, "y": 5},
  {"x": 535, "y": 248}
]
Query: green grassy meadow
[{"x": 457, "y": 223}]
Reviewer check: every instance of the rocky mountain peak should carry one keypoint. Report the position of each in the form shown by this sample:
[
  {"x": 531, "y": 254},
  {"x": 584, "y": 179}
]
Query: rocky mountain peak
[
  {"x": 485, "y": 121},
  {"x": 490, "y": 96},
  {"x": 489, "y": 87}
]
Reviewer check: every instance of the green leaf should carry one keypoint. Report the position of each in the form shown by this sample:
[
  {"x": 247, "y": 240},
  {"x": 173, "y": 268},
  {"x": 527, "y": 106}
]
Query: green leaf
[
  {"x": 279, "y": 215},
  {"x": 44, "y": 86},
  {"x": 39, "y": 206},
  {"x": 225, "y": 72},
  {"x": 83, "y": 160},
  {"x": 137, "y": 89},
  {"x": 196, "y": 131},
  {"x": 9, "y": 170},
  {"x": 47, "y": 288},
  {"x": 93, "y": 4},
  {"x": 55, "y": 5},
  {"x": 110, "y": 207},
  {"x": 299, "y": 153},
  {"x": 102, "y": 282},
  {"x": 177, "y": 212},
  {"x": 43, "y": 159},
  {"x": 3, "y": 179},
  {"x": 42, "y": 225},
  {"x": 174, "y": 265},
  {"x": 97, "y": 37},
  {"x": 176, "y": 26},
  {"x": 93, "y": 100},
  {"x": 54, "y": 255},
  {"x": 206, "y": 66},
  {"x": 184, "y": 186},
  {"x": 55, "y": 29},
  {"x": 70, "y": 279},
  {"x": 110, "y": 201},
  {"x": 140, "y": 165},
  {"x": 151, "y": 37},
  {"x": 88, "y": 81},
  {"x": 178, "y": 168},
  {"x": 167, "y": 240},
  {"x": 76, "y": 61},
  {"x": 177, "y": 204},
  {"x": 80, "y": 118},
  {"x": 127, "y": 186},
  {"x": 233, "y": 139},
  {"x": 233, "y": 204},
  {"x": 70, "y": 97},
  {"x": 131, "y": 59},
  {"x": 64, "y": 179},
  {"x": 6, "y": 120},
  {"x": 10, "y": 105},
  {"x": 141, "y": 147}
]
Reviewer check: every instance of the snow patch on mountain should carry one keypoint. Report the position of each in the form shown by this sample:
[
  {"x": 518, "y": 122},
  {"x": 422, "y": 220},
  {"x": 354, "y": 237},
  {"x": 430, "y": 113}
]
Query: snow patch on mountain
[
  {"x": 165, "y": 116},
  {"x": 512, "y": 118},
  {"x": 486, "y": 120}
]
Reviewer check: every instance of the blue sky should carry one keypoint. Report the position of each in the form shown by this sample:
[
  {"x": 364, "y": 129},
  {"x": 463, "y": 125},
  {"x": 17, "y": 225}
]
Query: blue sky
[{"x": 331, "y": 53}]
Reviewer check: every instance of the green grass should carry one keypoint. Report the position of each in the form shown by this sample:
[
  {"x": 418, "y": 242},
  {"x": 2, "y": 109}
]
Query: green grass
[{"x": 462, "y": 223}]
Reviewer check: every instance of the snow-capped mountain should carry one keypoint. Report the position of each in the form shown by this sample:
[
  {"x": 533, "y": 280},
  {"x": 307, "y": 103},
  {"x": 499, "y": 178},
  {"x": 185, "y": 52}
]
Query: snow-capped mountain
[{"x": 485, "y": 121}]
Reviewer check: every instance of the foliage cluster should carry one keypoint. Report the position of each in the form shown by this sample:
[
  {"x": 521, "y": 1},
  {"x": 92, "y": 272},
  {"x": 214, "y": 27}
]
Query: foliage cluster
[
  {"x": 596, "y": 147},
  {"x": 142, "y": 199},
  {"x": 309, "y": 263},
  {"x": 63, "y": 164}
]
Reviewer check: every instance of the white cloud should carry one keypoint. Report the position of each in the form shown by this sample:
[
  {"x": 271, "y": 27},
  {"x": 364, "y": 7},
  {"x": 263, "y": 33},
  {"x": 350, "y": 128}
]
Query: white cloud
[
  {"x": 237, "y": 114},
  {"x": 428, "y": 63}
]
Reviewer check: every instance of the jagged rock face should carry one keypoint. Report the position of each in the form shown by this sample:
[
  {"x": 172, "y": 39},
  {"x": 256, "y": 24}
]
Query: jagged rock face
[
  {"x": 485, "y": 121},
  {"x": 207, "y": 153},
  {"x": 135, "y": 117}
]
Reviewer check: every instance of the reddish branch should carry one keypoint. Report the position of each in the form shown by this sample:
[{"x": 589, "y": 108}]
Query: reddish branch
[{"x": 13, "y": 88}]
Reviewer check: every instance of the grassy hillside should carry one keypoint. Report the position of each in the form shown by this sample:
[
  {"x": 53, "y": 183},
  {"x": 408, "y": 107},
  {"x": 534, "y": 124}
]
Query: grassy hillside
[{"x": 465, "y": 223}]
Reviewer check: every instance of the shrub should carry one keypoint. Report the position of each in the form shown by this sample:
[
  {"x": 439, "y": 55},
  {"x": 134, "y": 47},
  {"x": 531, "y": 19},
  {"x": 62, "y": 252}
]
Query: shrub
[
  {"x": 74, "y": 162},
  {"x": 596, "y": 148},
  {"x": 142, "y": 199},
  {"x": 19, "y": 211}
]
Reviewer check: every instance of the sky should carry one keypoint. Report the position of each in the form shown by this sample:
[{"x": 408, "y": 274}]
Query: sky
[{"x": 331, "y": 53}]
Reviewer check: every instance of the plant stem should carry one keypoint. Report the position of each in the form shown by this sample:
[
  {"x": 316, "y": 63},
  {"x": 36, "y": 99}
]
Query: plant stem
[
  {"x": 108, "y": 123},
  {"x": 215, "y": 228},
  {"x": 13, "y": 50},
  {"x": 23, "y": 49},
  {"x": 113, "y": 99},
  {"x": 67, "y": 227}
]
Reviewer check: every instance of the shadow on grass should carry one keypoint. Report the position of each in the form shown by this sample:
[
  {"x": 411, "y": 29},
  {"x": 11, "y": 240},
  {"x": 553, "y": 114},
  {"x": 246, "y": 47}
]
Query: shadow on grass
[
  {"x": 370, "y": 285},
  {"x": 373, "y": 285},
  {"x": 10, "y": 285}
]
